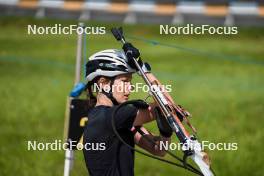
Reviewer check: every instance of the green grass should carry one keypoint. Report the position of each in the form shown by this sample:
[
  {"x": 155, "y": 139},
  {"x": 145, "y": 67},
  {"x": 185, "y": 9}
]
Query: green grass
[{"x": 224, "y": 93}]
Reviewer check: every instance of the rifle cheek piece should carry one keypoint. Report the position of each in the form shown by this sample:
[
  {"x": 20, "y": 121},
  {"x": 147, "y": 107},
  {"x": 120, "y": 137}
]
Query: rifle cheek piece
[{"x": 131, "y": 50}]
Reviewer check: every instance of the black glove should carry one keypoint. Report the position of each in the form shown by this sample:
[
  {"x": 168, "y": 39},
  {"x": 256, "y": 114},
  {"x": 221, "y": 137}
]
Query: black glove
[
  {"x": 164, "y": 127},
  {"x": 132, "y": 52}
]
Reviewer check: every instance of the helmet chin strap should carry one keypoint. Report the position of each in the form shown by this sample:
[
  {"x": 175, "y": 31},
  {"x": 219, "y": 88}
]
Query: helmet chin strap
[{"x": 110, "y": 93}]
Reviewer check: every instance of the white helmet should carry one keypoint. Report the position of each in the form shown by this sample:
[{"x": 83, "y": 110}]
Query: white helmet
[{"x": 109, "y": 63}]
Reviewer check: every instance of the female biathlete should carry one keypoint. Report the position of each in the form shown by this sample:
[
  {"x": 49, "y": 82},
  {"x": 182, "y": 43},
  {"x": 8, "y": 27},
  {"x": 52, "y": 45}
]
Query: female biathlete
[{"x": 111, "y": 73}]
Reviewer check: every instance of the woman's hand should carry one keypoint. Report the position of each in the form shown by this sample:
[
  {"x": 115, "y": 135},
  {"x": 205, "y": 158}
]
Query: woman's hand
[{"x": 145, "y": 115}]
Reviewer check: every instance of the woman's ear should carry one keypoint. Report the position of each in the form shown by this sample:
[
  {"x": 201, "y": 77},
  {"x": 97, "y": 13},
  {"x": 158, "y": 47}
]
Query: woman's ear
[{"x": 103, "y": 80}]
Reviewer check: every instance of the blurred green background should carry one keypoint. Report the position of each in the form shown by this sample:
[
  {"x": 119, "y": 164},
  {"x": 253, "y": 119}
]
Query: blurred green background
[{"x": 223, "y": 89}]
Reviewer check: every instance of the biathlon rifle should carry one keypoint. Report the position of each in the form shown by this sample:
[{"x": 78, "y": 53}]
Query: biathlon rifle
[{"x": 174, "y": 113}]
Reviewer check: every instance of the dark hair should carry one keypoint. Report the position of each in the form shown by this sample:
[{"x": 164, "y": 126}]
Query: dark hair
[{"x": 90, "y": 96}]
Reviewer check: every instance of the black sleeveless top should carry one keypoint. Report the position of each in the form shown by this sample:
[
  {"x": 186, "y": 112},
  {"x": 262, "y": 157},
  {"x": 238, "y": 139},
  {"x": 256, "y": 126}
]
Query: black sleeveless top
[{"x": 105, "y": 154}]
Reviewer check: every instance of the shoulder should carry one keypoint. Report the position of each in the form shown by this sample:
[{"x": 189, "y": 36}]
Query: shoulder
[{"x": 100, "y": 111}]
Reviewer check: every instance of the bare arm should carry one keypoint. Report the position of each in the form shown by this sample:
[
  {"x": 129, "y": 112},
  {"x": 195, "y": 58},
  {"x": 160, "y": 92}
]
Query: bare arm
[{"x": 150, "y": 142}]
